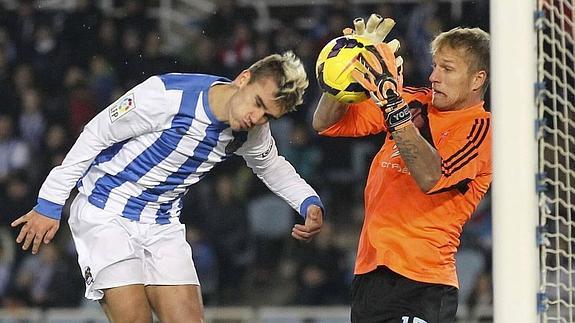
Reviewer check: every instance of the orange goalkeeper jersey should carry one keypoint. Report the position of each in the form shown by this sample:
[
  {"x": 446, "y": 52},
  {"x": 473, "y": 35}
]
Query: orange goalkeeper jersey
[{"x": 416, "y": 234}]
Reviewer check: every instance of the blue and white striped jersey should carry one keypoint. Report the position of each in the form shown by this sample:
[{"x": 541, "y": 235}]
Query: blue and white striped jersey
[{"x": 138, "y": 157}]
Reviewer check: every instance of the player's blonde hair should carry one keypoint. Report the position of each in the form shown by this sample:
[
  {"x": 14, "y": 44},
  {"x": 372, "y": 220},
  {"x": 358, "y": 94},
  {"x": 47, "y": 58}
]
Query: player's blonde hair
[
  {"x": 474, "y": 41},
  {"x": 289, "y": 74}
]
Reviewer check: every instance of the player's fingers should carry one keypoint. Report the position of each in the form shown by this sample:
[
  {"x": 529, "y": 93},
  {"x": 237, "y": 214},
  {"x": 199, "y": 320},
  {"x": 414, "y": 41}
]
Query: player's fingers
[
  {"x": 36, "y": 243},
  {"x": 394, "y": 45},
  {"x": 50, "y": 234},
  {"x": 359, "y": 25},
  {"x": 384, "y": 28},
  {"x": 371, "y": 60},
  {"x": 399, "y": 62},
  {"x": 23, "y": 233},
  {"x": 363, "y": 80},
  {"x": 373, "y": 22},
  {"x": 19, "y": 221},
  {"x": 29, "y": 239},
  {"x": 347, "y": 31},
  {"x": 303, "y": 235}
]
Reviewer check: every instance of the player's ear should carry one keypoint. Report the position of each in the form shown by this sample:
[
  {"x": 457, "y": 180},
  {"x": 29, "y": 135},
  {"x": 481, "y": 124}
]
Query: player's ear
[
  {"x": 243, "y": 78},
  {"x": 478, "y": 80}
]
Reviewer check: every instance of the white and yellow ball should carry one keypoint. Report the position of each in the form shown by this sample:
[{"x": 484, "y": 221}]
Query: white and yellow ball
[{"x": 334, "y": 65}]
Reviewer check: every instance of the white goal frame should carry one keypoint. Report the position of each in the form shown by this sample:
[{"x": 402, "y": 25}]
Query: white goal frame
[{"x": 514, "y": 196}]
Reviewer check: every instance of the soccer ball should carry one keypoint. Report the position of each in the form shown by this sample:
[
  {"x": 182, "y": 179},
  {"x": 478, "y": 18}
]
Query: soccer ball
[{"x": 334, "y": 65}]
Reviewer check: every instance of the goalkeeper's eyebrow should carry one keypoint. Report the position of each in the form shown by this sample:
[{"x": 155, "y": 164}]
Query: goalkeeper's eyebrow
[{"x": 261, "y": 103}]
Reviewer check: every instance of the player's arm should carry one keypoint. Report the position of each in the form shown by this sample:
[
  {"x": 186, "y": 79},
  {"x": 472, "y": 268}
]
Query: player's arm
[
  {"x": 379, "y": 74},
  {"x": 261, "y": 155},
  {"x": 364, "y": 120},
  {"x": 328, "y": 112},
  {"x": 116, "y": 123},
  {"x": 422, "y": 160}
]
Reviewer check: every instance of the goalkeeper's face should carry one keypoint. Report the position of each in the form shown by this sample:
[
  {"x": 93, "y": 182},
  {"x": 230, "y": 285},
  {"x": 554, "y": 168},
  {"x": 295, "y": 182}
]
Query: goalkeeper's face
[
  {"x": 253, "y": 103},
  {"x": 454, "y": 85}
]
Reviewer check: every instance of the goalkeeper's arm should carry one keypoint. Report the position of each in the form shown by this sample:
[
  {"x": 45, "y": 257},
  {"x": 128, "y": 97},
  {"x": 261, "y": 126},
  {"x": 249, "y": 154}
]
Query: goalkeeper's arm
[
  {"x": 379, "y": 75},
  {"x": 328, "y": 112}
]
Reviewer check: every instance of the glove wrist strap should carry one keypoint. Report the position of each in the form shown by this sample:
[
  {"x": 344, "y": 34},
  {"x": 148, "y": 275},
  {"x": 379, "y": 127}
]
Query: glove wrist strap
[{"x": 397, "y": 116}]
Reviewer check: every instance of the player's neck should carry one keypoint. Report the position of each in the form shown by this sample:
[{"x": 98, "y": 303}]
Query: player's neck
[{"x": 218, "y": 97}]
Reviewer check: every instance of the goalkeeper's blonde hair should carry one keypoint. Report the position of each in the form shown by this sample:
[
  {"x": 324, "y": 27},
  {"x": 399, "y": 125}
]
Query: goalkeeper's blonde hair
[
  {"x": 289, "y": 74},
  {"x": 474, "y": 41}
]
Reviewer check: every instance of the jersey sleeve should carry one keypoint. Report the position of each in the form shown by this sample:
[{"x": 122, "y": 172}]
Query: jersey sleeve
[
  {"x": 141, "y": 110},
  {"x": 365, "y": 118},
  {"x": 465, "y": 154},
  {"x": 361, "y": 119},
  {"x": 261, "y": 155}
]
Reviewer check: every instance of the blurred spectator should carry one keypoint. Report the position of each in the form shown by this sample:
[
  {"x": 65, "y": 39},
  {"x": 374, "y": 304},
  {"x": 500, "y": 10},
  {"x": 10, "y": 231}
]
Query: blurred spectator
[
  {"x": 424, "y": 25},
  {"x": 80, "y": 32},
  {"x": 22, "y": 26},
  {"x": 205, "y": 262},
  {"x": 46, "y": 56},
  {"x": 239, "y": 52},
  {"x": 108, "y": 42},
  {"x": 270, "y": 222},
  {"x": 46, "y": 280},
  {"x": 156, "y": 61},
  {"x": 14, "y": 152},
  {"x": 7, "y": 248},
  {"x": 102, "y": 80},
  {"x": 16, "y": 196},
  {"x": 321, "y": 271},
  {"x": 80, "y": 100},
  {"x": 227, "y": 226},
  {"x": 302, "y": 154},
  {"x": 31, "y": 121},
  {"x": 227, "y": 14}
]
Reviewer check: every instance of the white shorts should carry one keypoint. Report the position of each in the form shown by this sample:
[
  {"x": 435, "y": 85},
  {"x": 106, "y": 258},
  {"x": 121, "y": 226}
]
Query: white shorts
[{"x": 114, "y": 251}]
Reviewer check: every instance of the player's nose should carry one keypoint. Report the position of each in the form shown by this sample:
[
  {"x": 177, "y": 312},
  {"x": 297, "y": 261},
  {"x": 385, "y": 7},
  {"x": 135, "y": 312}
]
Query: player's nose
[{"x": 433, "y": 77}]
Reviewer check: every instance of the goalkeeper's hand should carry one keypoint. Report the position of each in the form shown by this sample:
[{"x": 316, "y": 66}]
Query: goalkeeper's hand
[
  {"x": 376, "y": 29},
  {"x": 377, "y": 72}
]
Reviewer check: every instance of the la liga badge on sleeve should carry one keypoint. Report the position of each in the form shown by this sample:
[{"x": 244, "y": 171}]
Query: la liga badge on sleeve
[{"x": 124, "y": 105}]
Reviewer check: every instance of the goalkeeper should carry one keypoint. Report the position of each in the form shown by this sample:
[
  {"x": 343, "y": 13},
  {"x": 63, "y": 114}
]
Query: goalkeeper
[{"x": 426, "y": 180}]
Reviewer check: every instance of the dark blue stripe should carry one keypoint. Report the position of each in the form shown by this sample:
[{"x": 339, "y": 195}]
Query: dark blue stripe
[
  {"x": 199, "y": 156},
  {"x": 109, "y": 153}
]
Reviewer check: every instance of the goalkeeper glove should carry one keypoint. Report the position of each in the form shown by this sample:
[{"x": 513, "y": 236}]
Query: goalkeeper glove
[
  {"x": 376, "y": 30},
  {"x": 377, "y": 72}
]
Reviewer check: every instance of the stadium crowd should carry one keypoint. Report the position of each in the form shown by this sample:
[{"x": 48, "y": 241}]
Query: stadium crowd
[{"x": 59, "y": 68}]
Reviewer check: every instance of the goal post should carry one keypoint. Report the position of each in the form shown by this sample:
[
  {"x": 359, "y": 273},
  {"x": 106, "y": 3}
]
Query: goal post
[
  {"x": 514, "y": 195},
  {"x": 556, "y": 148}
]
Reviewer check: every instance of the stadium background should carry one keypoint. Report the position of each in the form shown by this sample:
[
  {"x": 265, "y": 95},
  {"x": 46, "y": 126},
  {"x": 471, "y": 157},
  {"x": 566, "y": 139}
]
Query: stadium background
[{"x": 61, "y": 62}]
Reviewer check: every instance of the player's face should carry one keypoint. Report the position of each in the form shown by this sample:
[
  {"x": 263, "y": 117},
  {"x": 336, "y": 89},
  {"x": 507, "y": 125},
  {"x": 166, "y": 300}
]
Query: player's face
[
  {"x": 253, "y": 104},
  {"x": 454, "y": 86}
]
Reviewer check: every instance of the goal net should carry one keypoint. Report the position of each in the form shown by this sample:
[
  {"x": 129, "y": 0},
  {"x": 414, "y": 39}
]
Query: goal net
[{"x": 555, "y": 99}]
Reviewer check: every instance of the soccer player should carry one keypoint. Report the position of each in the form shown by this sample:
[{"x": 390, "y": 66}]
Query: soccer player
[
  {"x": 426, "y": 180},
  {"x": 136, "y": 159}
]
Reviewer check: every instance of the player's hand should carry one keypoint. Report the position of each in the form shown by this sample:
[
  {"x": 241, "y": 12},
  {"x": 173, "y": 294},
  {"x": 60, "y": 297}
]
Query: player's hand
[
  {"x": 378, "y": 73},
  {"x": 37, "y": 228},
  {"x": 376, "y": 30},
  {"x": 312, "y": 226}
]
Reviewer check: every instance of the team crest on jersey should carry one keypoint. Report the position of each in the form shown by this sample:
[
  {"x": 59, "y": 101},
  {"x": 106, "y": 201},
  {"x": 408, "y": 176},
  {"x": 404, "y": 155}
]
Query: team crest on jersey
[{"x": 123, "y": 106}]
